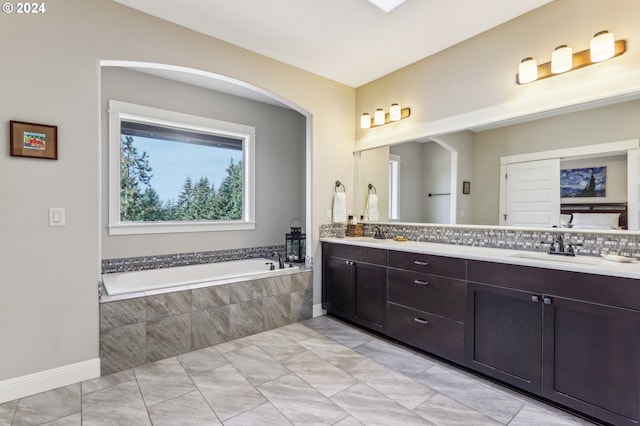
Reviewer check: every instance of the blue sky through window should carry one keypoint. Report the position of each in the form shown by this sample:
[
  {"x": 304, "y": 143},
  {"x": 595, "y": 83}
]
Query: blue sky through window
[{"x": 173, "y": 162}]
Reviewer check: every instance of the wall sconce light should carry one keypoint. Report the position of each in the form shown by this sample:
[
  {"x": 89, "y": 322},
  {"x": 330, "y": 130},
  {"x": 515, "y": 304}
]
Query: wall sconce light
[
  {"x": 603, "y": 46},
  {"x": 561, "y": 59},
  {"x": 380, "y": 118}
]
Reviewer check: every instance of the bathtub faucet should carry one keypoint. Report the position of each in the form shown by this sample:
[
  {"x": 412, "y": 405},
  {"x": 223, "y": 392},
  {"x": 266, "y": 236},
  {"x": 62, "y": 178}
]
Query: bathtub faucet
[{"x": 280, "y": 261}]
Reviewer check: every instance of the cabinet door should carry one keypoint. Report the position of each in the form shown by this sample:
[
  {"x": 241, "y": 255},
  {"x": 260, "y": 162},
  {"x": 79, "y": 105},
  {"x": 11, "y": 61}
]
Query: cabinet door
[
  {"x": 371, "y": 294},
  {"x": 591, "y": 355},
  {"x": 504, "y": 334},
  {"x": 339, "y": 292}
]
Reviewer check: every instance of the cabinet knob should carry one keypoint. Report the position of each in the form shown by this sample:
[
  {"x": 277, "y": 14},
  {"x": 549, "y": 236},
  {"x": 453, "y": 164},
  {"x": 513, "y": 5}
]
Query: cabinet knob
[
  {"x": 535, "y": 298},
  {"x": 350, "y": 262},
  {"x": 420, "y": 320},
  {"x": 420, "y": 282},
  {"x": 547, "y": 300},
  {"x": 420, "y": 262}
]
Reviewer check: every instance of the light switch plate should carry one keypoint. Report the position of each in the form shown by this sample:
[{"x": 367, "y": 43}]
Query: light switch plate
[{"x": 56, "y": 216}]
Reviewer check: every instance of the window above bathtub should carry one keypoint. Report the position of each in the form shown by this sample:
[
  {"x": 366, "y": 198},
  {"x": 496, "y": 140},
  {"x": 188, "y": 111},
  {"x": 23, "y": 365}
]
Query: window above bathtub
[{"x": 174, "y": 172}]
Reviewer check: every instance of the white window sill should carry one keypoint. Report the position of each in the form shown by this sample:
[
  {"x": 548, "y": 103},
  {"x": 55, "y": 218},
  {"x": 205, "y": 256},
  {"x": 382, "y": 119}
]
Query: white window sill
[{"x": 177, "y": 227}]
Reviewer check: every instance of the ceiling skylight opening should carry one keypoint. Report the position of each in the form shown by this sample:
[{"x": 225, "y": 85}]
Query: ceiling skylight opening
[{"x": 386, "y": 5}]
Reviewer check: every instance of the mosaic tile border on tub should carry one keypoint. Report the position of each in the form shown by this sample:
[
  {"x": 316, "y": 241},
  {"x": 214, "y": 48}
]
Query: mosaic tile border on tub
[
  {"x": 593, "y": 243},
  {"x": 128, "y": 264}
]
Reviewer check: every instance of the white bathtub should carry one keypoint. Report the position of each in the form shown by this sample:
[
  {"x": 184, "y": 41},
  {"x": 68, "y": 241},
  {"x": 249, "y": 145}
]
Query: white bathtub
[{"x": 193, "y": 276}]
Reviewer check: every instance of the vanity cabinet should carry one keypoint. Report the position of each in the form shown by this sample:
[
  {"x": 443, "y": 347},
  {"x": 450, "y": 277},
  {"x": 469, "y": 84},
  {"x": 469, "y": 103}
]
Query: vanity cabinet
[
  {"x": 426, "y": 302},
  {"x": 572, "y": 338},
  {"x": 504, "y": 335},
  {"x": 355, "y": 284}
]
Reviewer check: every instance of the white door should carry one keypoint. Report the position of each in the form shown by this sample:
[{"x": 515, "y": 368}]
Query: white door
[
  {"x": 530, "y": 193},
  {"x": 633, "y": 189}
]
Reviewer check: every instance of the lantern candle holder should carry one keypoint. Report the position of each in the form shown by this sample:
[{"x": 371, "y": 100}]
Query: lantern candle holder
[{"x": 295, "y": 243}]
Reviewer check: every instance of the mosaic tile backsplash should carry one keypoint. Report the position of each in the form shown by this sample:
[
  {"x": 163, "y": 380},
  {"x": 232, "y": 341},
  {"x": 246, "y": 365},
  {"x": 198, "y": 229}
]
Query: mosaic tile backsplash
[
  {"x": 593, "y": 243},
  {"x": 183, "y": 259}
]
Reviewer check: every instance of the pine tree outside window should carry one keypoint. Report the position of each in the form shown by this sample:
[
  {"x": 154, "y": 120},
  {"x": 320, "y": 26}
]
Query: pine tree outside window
[{"x": 174, "y": 172}]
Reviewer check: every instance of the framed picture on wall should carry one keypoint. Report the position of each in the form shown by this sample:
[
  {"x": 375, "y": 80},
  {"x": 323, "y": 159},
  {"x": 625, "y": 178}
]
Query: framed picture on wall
[
  {"x": 583, "y": 182},
  {"x": 33, "y": 140}
]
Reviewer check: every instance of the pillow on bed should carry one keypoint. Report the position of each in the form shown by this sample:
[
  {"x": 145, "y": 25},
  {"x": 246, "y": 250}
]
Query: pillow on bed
[
  {"x": 565, "y": 220},
  {"x": 595, "y": 221}
]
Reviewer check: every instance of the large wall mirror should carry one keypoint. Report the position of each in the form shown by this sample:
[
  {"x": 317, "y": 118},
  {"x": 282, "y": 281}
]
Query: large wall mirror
[{"x": 456, "y": 178}]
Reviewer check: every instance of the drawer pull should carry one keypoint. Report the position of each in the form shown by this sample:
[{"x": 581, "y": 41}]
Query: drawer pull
[
  {"x": 420, "y": 320},
  {"x": 421, "y": 263},
  {"x": 419, "y": 282}
]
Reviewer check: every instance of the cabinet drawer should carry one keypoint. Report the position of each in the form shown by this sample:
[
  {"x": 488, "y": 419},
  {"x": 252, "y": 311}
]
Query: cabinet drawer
[
  {"x": 431, "y": 333},
  {"x": 356, "y": 253},
  {"x": 431, "y": 293},
  {"x": 428, "y": 264}
]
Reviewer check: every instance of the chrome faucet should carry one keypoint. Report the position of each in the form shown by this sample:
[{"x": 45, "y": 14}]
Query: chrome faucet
[
  {"x": 280, "y": 261},
  {"x": 558, "y": 246}
]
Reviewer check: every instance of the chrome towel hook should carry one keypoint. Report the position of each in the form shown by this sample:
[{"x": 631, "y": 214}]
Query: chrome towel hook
[
  {"x": 338, "y": 185},
  {"x": 375, "y": 191}
]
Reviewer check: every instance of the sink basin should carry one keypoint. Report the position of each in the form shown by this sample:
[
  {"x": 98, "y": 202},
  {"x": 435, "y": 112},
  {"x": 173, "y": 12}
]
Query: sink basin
[
  {"x": 367, "y": 239},
  {"x": 584, "y": 260}
]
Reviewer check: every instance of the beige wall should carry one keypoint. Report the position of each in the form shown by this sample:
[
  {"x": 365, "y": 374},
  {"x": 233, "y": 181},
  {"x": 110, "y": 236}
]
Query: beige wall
[
  {"x": 48, "y": 276},
  {"x": 473, "y": 82}
]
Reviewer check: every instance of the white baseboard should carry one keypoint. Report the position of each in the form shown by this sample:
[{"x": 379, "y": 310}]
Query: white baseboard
[
  {"x": 318, "y": 311},
  {"x": 31, "y": 384}
]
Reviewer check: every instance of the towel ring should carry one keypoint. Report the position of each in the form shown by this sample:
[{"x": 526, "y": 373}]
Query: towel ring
[
  {"x": 338, "y": 185},
  {"x": 375, "y": 191}
]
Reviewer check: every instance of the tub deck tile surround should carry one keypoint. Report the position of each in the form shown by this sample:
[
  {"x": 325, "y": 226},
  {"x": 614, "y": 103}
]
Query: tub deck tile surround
[
  {"x": 139, "y": 263},
  {"x": 168, "y": 337},
  {"x": 210, "y": 326},
  {"x": 210, "y": 297},
  {"x": 136, "y": 331}
]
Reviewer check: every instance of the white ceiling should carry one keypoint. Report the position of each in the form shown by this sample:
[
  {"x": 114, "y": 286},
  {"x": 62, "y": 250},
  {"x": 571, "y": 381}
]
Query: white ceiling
[{"x": 350, "y": 41}]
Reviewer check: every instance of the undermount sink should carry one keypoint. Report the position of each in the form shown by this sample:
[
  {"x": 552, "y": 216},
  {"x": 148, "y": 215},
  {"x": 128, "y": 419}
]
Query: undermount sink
[
  {"x": 368, "y": 239},
  {"x": 584, "y": 260}
]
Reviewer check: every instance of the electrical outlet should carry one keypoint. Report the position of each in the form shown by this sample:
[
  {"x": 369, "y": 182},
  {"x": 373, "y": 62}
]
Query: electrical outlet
[{"x": 327, "y": 214}]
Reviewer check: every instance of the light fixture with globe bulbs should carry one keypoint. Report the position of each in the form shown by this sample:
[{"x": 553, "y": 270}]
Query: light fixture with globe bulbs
[
  {"x": 603, "y": 46},
  {"x": 380, "y": 118}
]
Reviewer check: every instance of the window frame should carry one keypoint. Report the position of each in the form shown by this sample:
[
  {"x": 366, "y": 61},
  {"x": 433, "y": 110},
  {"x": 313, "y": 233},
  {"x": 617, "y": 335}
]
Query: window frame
[
  {"x": 119, "y": 111},
  {"x": 394, "y": 187}
]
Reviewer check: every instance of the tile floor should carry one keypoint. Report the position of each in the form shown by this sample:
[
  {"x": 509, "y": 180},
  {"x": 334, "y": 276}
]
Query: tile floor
[{"x": 316, "y": 372}]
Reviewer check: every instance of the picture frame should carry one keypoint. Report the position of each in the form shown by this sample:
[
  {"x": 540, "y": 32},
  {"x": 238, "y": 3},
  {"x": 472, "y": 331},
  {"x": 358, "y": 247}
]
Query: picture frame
[
  {"x": 33, "y": 140},
  {"x": 466, "y": 187}
]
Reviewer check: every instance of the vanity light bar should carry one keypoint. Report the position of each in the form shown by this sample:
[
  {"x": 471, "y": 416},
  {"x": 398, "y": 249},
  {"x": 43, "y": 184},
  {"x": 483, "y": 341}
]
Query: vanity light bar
[
  {"x": 367, "y": 121},
  {"x": 529, "y": 71}
]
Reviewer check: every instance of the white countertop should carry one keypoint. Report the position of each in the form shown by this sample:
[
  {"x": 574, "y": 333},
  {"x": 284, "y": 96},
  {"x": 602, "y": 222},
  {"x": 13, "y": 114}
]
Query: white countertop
[{"x": 585, "y": 264}]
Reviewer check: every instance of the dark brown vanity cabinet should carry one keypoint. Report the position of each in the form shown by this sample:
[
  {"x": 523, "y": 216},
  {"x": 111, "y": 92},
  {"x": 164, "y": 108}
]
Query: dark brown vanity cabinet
[
  {"x": 572, "y": 338},
  {"x": 426, "y": 300},
  {"x": 504, "y": 335},
  {"x": 355, "y": 284}
]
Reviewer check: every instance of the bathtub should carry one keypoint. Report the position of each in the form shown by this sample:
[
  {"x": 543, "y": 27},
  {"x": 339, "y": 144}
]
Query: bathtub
[{"x": 188, "y": 277}]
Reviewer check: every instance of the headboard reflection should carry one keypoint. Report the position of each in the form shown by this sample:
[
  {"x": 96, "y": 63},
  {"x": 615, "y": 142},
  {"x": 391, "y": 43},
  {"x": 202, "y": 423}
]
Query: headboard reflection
[{"x": 620, "y": 208}]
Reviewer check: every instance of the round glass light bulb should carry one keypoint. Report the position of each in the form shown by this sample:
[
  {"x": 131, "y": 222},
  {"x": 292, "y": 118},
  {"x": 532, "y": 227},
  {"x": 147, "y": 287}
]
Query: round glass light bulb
[
  {"x": 527, "y": 71},
  {"x": 602, "y": 46},
  {"x": 561, "y": 59},
  {"x": 378, "y": 117},
  {"x": 365, "y": 121},
  {"x": 395, "y": 112}
]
